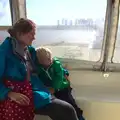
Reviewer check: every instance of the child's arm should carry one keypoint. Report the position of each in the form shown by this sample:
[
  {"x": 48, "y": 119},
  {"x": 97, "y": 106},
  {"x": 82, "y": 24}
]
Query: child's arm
[
  {"x": 66, "y": 74},
  {"x": 58, "y": 75},
  {"x": 67, "y": 77}
]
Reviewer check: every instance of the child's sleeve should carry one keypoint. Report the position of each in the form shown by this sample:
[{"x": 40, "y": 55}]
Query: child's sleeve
[
  {"x": 58, "y": 76},
  {"x": 66, "y": 72}
]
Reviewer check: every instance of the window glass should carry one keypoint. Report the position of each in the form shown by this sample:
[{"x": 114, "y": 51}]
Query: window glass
[
  {"x": 3, "y": 35},
  {"x": 70, "y": 28},
  {"x": 5, "y": 14}
]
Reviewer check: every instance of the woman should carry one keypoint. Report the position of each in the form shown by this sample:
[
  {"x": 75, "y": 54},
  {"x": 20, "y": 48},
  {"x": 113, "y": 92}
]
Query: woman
[{"x": 21, "y": 90}]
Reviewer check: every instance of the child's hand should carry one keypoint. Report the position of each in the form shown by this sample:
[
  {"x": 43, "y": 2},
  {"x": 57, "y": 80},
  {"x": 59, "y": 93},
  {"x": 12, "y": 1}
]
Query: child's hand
[{"x": 52, "y": 91}]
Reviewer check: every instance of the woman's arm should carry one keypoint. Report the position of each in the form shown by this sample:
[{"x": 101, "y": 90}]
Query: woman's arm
[
  {"x": 3, "y": 89},
  {"x": 6, "y": 92}
]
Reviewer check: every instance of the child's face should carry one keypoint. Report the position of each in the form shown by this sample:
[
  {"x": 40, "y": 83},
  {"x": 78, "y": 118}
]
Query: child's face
[{"x": 46, "y": 61}]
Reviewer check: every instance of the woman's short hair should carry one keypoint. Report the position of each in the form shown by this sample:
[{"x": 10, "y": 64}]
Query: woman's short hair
[{"x": 22, "y": 26}]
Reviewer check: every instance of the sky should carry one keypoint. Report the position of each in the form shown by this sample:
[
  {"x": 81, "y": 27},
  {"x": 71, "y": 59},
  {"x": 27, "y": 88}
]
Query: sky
[{"x": 48, "y": 12}]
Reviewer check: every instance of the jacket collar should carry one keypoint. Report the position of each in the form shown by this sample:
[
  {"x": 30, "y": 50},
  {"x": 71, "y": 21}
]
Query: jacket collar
[{"x": 17, "y": 47}]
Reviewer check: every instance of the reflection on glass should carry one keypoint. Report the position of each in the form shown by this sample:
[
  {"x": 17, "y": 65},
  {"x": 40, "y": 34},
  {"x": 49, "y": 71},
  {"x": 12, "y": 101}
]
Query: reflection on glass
[
  {"x": 5, "y": 15},
  {"x": 71, "y": 29}
]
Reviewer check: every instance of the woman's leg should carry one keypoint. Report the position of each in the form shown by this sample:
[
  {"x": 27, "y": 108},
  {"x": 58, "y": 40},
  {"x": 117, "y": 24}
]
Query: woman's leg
[{"x": 58, "y": 110}]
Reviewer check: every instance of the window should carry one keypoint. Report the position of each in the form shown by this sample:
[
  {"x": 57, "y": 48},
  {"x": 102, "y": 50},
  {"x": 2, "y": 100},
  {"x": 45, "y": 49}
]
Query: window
[
  {"x": 5, "y": 14},
  {"x": 3, "y": 35},
  {"x": 70, "y": 28}
]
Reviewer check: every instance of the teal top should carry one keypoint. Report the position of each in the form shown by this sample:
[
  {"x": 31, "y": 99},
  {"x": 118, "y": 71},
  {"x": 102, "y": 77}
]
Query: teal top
[{"x": 12, "y": 68}]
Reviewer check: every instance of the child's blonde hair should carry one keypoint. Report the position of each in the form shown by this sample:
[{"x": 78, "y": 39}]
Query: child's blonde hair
[{"x": 43, "y": 53}]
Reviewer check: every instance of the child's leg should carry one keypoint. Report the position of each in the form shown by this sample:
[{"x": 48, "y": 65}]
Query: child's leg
[
  {"x": 72, "y": 101},
  {"x": 67, "y": 96}
]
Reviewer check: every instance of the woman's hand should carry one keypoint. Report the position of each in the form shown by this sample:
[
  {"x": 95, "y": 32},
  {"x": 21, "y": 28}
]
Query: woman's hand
[{"x": 19, "y": 98}]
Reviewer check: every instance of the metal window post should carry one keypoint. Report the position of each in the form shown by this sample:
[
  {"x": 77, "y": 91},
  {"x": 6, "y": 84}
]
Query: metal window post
[{"x": 18, "y": 9}]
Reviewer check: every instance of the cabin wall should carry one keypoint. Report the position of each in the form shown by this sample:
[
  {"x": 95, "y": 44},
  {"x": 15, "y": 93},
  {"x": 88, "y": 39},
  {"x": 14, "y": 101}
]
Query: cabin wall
[{"x": 97, "y": 95}]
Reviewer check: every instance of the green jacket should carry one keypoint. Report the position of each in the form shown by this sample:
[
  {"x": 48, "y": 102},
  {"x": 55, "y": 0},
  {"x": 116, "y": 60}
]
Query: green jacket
[{"x": 53, "y": 76}]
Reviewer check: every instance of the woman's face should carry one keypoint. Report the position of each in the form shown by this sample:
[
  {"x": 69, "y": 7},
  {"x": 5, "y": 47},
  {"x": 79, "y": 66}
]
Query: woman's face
[{"x": 27, "y": 39}]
